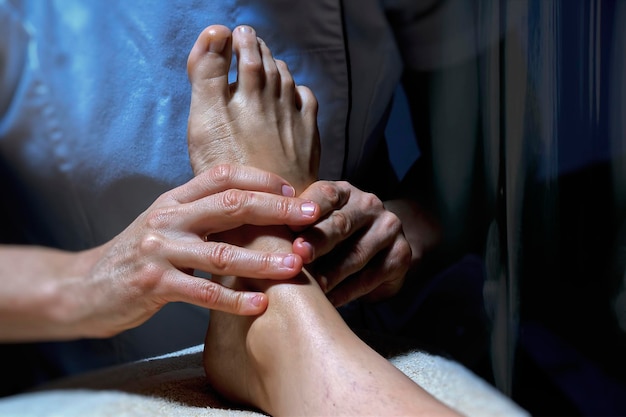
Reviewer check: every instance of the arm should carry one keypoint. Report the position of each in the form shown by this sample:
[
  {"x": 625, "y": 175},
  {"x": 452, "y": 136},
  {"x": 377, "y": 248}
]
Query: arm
[{"x": 49, "y": 294}]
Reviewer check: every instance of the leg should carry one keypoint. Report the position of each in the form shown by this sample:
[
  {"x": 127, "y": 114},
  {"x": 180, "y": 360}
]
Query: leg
[{"x": 298, "y": 358}]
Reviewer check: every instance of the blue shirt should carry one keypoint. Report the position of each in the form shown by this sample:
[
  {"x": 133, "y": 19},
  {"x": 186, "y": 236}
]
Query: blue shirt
[{"x": 94, "y": 100}]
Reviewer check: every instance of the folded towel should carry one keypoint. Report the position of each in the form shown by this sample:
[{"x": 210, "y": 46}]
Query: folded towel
[{"x": 174, "y": 385}]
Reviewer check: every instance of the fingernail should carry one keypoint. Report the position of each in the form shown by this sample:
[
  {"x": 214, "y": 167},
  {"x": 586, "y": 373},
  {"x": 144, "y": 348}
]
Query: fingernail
[
  {"x": 309, "y": 248},
  {"x": 308, "y": 209},
  {"x": 245, "y": 29},
  {"x": 256, "y": 300},
  {"x": 288, "y": 191},
  {"x": 289, "y": 261}
]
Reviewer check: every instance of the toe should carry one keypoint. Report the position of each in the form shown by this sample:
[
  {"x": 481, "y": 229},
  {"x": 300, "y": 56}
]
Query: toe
[
  {"x": 287, "y": 85},
  {"x": 250, "y": 71},
  {"x": 272, "y": 77},
  {"x": 209, "y": 62},
  {"x": 306, "y": 101}
]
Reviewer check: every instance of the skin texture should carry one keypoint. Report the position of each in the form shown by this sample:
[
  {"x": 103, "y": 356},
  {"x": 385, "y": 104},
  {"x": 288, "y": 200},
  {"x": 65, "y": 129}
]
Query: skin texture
[
  {"x": 355, "y": 225},
  {"x": 50, "y": 294},
  {"x": 363, "y": 235},
  {"x": 299, "y": 357}
]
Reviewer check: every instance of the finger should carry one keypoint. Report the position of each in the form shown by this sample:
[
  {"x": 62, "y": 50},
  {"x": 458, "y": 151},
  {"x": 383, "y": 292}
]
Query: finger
[
  {"x": 330, "y": 232},
  {"x": 366, "y": 286},
  {"x": 385, "y": 290},
  {"x": 233, "y": 208},
  {"x": 208, "y": 294},
  {"x": 330, "y": 195},
  {"x": 383, "y": 278},
  {"x": 221, "y": 258},
  {"x": 229, "y": 176},
  {"x": 383, "y": 235}
]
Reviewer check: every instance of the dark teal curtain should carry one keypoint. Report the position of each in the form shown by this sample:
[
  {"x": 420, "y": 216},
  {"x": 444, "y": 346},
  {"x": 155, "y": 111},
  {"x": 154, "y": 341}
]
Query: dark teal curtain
[
  {"x": 551, "y": 95},
  {"x": 523, "y": 155}
]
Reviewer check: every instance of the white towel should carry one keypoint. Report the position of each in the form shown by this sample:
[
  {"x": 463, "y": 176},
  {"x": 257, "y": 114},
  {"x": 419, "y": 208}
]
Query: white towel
[{"x": 174, "y": 385}]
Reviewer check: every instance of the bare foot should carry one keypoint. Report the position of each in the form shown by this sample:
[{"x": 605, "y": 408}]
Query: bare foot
[
  {"x": 299, "y": 357},
  {"x": 263, "y": 119}
]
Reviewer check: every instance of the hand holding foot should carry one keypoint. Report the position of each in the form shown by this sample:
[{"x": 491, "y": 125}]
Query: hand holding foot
[{"x": 299, "y": 357}]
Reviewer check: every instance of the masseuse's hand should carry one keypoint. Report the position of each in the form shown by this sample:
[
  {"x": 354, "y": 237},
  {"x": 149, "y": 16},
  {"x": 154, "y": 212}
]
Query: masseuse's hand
[
  {"x": 357, "y": 248},
  {"x": 48, "y": 294}
]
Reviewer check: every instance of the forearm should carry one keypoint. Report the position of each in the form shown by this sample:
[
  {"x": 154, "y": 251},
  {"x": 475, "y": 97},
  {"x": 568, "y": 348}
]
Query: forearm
[{"x": 41, "y": 293}]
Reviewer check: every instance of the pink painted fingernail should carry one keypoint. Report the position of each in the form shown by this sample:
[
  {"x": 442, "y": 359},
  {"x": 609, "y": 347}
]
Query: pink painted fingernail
[
  {"x": 308, "y": 209},
  {"x": 289, "y": 261},
  {"x": 309, "y": 248},
  {"x": 256, "y": 300},
  {"x": 288, "y": 191}
]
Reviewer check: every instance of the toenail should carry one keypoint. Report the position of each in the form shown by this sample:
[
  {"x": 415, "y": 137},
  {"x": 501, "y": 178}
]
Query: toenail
[
  {"x": 245, "y": 29},
  {"x": 217, "y": 45}
]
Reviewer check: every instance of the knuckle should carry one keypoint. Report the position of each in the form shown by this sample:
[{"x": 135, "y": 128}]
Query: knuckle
[
  {"x": 271, "y": 74},
  {"x": 265, "y": 263},
  {"x": 221, "y": 174},
  {"x": 341, "y": 223},
  {"x": 400, "y": 257},
  {"x": 165, "y": 198},
  {"x": 159, "y": 218},
  {"x": 281, "y": 64},
  {"x": 210, "y": 293},
  {"x": 151, "y": 243},
  {"x": 354, "y": 258},
  {"x": 360, "y": 255},
  {"x": 372, "y": 202},
  {"x": 150, "y": 274},
  {"x": 221, "y": 257},
  {"x": 251, "y": 65},
  {"x": 330, "y": 193},
  {"x": 391, "y": 222},
  {"x": 234, "y": 201},
  {"x": 283, "y": 209}
]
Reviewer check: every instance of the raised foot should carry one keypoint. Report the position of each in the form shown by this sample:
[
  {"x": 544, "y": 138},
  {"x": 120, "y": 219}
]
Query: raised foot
[{"x": 263, "y": 120}]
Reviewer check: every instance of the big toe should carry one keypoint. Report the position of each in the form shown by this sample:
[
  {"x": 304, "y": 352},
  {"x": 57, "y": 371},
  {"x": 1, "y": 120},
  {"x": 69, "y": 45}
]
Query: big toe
[{"x": 209, "y": 62}]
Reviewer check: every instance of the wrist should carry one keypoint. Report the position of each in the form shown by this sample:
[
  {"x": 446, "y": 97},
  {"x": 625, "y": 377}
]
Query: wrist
[{"x": 38, "y": 302}]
